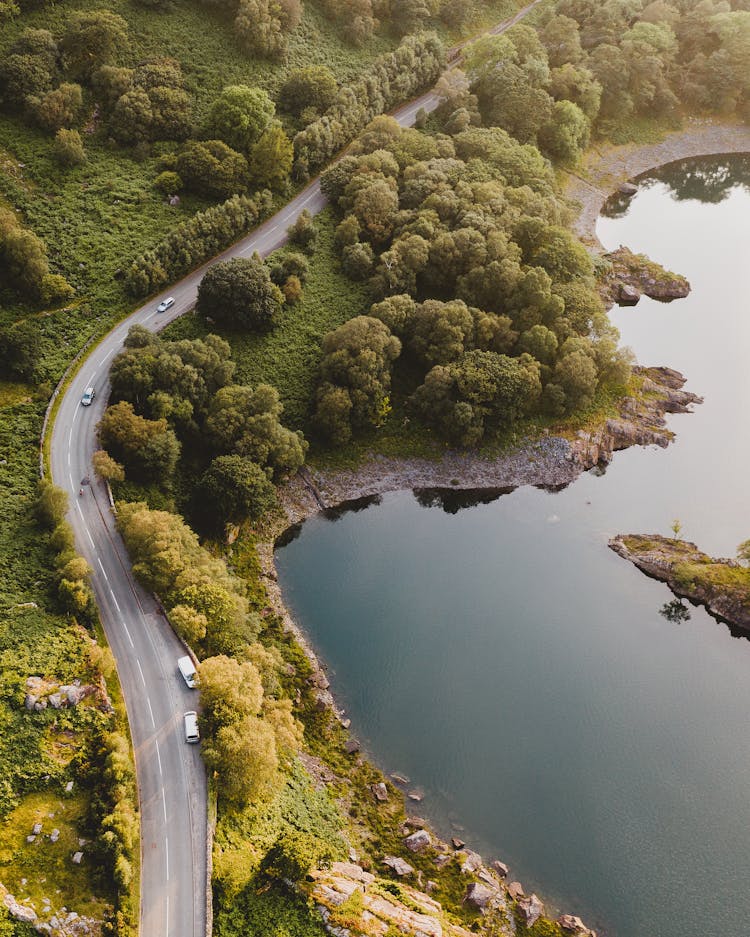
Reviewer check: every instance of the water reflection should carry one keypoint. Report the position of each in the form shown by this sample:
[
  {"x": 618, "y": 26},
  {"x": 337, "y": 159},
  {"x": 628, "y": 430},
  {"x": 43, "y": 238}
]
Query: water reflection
[{"x": 675, "y": 611}]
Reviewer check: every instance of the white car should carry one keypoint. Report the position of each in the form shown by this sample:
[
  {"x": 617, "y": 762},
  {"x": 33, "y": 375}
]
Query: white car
[
  {"x": 88, "y": 397},
  {"x": 165, "y": 304},
  {"x": 191, "y": 727}
]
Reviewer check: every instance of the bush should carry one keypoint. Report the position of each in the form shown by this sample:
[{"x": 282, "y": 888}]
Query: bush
[
  {"x": 168, "y": 183},
  {"x": 51, "y": 504},
  {"x": 303, "y": 232},
  {"x": 68, "y": 148}
]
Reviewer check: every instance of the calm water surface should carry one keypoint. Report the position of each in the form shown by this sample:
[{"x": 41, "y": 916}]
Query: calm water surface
[{"x": 523, "y": 675}]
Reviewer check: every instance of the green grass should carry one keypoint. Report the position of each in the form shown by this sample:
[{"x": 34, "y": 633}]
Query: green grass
[{"x": 46, "y": 867}]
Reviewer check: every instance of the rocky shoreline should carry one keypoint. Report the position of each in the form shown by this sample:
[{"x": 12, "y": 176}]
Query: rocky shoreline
[
  {"x": 550, "y": 461},
  {"x": 722, "y": 586},
  {"x": 606, "y": 167}
]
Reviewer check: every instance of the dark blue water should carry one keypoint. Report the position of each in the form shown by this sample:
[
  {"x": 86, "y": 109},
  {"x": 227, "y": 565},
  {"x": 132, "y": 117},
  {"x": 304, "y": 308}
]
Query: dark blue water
[{"x": 525, "y": 676}]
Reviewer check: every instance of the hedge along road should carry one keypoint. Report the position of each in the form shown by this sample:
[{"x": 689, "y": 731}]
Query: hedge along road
[{"x": 172, "y": 785}]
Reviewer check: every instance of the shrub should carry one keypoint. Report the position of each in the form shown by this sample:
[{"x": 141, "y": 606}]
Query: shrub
[{"x": 68, "y": 148}]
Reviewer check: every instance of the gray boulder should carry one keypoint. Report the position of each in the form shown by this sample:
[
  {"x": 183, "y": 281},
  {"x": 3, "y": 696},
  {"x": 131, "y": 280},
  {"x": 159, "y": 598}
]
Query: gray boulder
[
  {"x": 501, "y": 868},
  {"x": 380, "y": 792},
  {"x": 573, "y": 924},
  {"x": 399, "y": 866},
  {"x": 627, "y": 295},
  {"x": 530, "y": 909},
  {"x": 515, "y": 891},
  {"x": 418, "y": 841},
  {"x": 478, "y": 895}
]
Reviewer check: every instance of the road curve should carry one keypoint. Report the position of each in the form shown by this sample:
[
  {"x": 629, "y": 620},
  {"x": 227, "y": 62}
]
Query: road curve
[{"x": 171, "y": 776}]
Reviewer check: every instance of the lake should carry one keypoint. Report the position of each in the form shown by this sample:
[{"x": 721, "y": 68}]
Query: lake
[{"x": 526, "y": 677}]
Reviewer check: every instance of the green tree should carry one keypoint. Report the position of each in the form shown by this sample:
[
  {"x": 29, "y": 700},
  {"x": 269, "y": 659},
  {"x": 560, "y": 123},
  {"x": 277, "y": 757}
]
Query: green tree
[
  {"x": 106, "y": 467},
  {"x": 566, "y": 135},
  {"x": 147, "y": 448},
  {"x": 295, "y": 854},
  {"x": 244, "y": 758},
  {"x": 234, "y": 488},
  {"x": 240, "y": 294},
  {"x": 239, "y": 116},
  {"x": 27, "y": 68},
  {"x": 480, "y": 393},
  {"x": 311, "y": 89},
  {"x": 562, "y": 40},
  {"x": 245, "y": 421},
  {"x": 210, "y": 167},
  {"x": 51, "y": 504},
  {"x": 357, "y": 359},
  {"x": 58, "y": 108},
  {"x": 91, "y": 39},
  {"x": 20, "y": 351},
  {"x": 230, "y": 690},
  {"x": 262, "y": 26},
  {"x": 23, "y": 257},
  {"x": 303, "y": 232},
  {"x": 132, "y": 117},
  {"x": 271, "y": 158}
]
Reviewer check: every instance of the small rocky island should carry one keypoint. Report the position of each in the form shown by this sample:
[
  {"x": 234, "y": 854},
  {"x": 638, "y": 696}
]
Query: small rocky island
[
  {"x": 721, "y": 585},
  {"x": 631, "y": 275}
]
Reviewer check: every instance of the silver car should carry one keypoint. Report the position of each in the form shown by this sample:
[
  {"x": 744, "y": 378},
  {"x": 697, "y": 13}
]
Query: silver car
[
  {"x": 165, "y": 304},
  {"x": 88, "y": 397}
]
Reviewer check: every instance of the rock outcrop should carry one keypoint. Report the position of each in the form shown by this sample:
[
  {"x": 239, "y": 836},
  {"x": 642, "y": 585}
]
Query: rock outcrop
[
  {"x": 41, "y": 693},
  {"x": 721, "y": 585},
  {"x": 632, "y": 274},
  {"x": 574, "y": 925},
  {"x": 641, "y": 421},
  {"x": 409, "y": 912}
]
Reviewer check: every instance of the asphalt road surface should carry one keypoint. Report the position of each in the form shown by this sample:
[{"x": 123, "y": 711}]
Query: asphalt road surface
[{"x": 171, "y": 775}]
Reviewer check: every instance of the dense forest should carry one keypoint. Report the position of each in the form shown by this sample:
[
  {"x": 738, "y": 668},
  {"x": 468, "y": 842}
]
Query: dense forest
[{"x": 440, "y": 300}]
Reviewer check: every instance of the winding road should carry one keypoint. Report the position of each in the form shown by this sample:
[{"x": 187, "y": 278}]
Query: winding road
[{"x": 172, "y": 782}]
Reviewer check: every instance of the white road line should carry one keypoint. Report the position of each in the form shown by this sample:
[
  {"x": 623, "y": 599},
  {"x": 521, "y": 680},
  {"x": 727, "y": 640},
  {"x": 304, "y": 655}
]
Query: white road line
[
  {"x": 140, "y": 671},
  {"x": 70, "y": 477},
  {"x": 108, "y": 355},
  {"x": 114, "y": 599},
  {"x": 131, "y": 642},
  {"x": 158, "y": 757},
  {"x": 164, "y": 805},
  {"x": 166, "y": 853},
  {"x": 104, "y": 571},
  {"x": 153, "y": 721},
  {"x": 166, "y": 926},
  {"x": 69, "y": 461}
]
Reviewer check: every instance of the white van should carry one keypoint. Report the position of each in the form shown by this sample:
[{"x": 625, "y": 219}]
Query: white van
[
  {"x": 192, "y": 734},
  {"x": 188, "y": 671}
]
